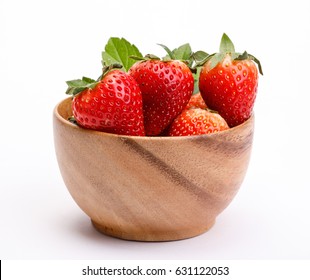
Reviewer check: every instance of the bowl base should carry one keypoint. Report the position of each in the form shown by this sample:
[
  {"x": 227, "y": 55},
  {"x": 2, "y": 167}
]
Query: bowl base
[{"x": 153, "y": 236}]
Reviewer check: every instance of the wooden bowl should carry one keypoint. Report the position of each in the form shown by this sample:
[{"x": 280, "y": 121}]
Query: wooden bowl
[{"x": 151, "y": 188}]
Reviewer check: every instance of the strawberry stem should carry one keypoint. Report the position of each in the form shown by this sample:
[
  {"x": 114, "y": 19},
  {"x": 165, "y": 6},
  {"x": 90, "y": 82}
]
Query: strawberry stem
[{"x": 226, "y": 47}]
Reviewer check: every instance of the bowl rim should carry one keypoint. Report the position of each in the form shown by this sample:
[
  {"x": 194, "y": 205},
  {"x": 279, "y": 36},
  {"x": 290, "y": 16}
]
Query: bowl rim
[{"x": 155, "y": 138}]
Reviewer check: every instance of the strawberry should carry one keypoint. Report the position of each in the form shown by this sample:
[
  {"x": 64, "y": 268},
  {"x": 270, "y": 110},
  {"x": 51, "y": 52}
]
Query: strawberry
[
  {"x": 196, "y": 121},
  {"x": 113, "y": 104},
  {"x": 196, "y": 101},
  {"x": 166, "y": 88},
  {"x": 228, "y": 82}
]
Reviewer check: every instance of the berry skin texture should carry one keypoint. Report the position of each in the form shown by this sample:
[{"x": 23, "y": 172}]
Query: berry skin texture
[
  {"x": 166, "y": 88},
  {"x": 230, "y": 88},
  {"x": 196, "y": 101},
  {"x": 114, "y": 105},
  {"x": 196, "y": 121}
]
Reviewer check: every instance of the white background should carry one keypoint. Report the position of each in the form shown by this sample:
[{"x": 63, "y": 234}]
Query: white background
[{"x": 45, "y": 43}]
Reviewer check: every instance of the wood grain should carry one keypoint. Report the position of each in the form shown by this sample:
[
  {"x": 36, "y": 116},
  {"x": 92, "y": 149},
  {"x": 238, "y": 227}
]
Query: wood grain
[{"x": 151, "y": 188}]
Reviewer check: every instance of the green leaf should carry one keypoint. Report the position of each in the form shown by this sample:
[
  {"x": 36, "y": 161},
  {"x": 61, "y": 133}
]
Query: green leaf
[
  {"x": 88, "y": 80},
  {"x": 215, "y": 59},
  {"x": 151, "y": 56},
  {"x": 75, "y": 83},
  {"x": 77, "y": 86},
  {"x": 137, "y": 58},
  {"x": 119, "y": 50},
  {"x": 238, "y": 56},
  {"x": 183, "y": 52},
  {"x": 246, "y": 55},
  {"x": 260, "y": 69},
  {"x": 169, "y": 52},
  {"x": 226, "y": 45},
  {"x": 199, "y": 56},
  {"x": 80, "y": 82},
  {"x": 74, "y": 90}
]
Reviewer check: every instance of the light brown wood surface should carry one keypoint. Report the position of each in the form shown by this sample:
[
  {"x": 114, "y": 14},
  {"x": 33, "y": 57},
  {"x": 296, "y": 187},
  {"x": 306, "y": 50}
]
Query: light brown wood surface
[{"x": 151, "y": 188}]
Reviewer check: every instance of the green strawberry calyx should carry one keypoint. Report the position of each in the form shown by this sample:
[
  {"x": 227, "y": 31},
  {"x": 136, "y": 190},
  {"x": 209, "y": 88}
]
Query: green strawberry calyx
[
  {"x": 226, "y": 47},
  {"x": 183, "y": 53},
  {"x": 119, "y": 50},
  {"x": 79, "y": 85},
  {"x": 116, "y": 54}
]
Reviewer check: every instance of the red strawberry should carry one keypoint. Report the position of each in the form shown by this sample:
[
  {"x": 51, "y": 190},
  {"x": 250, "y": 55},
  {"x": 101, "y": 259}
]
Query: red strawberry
[
  {"x": 228, "y": 83},
  {"x": 196, "y": 101},
  {"x": 113, "y": 104},
  {"x": 197, "y": 121},
  {"x": 166, "y": 88}
]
